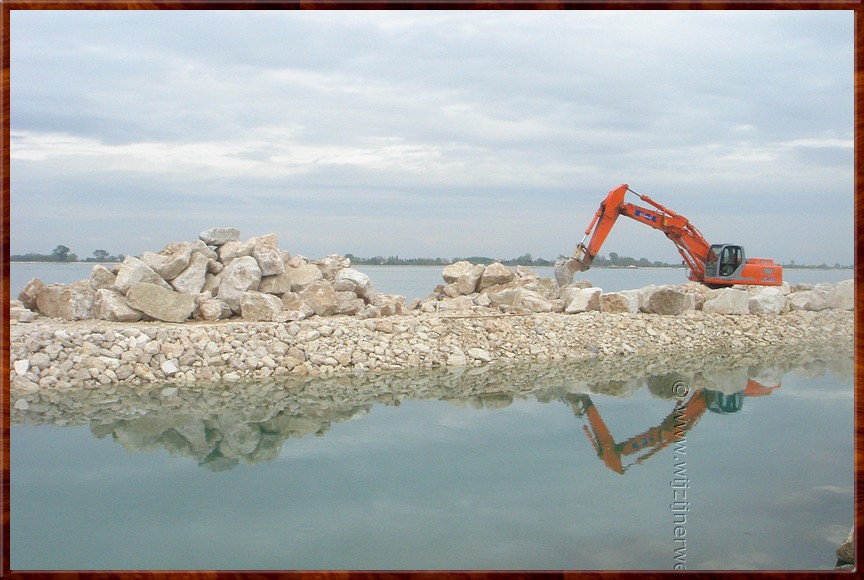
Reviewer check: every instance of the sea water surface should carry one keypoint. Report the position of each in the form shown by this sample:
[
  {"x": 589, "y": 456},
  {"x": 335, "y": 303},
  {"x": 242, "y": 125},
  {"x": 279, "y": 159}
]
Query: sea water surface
[
  {"x": 563, "y": 473},
  {"x": 742, "y": 466}
]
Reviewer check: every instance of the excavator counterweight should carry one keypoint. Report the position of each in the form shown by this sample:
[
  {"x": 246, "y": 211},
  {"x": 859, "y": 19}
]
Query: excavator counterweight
[{"x": 716, "y": 265}]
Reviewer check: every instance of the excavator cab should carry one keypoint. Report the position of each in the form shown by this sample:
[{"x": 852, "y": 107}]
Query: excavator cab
[
  {"x": 722, "y": 403},
  {"x": 724, "y": 261}
]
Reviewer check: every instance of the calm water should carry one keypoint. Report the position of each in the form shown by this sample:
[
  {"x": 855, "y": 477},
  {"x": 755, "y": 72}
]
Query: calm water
[
  {"x": 444, "y": 470},
  {"x": 419, "y": 281}
]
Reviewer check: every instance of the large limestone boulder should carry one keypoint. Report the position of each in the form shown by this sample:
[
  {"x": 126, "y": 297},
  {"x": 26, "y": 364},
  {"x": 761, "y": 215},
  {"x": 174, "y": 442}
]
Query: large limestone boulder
[
  {"x": 669, "y": 301},
  {"x": 303, "y": 276},
  {"x": 230, "y": 251},
  {"x": 768, "y": 300},
  {"x": 464, "y": 276},
  {"x": 191, "y": 280},
  {"x": 582, "y": 300},
  {"x": 172, "y": 260},
  {"x": 321, "y": 298},
  {"x": 259, "y": 306},
  {"x": 626, "y": 302},
  {"x": 241, "y": 275},
  {"x": 201, "y": 247},
  {"x": 460, "y": 303},
  {"x": 30, "y": 293},
  {"x": 332, "y": 265},
  {"x": 532, "y": 301},
  {"x": 70, "y": 301},
  {"x": 277, "y": 284},
  {"x": 112, "y": 305},
  {"x": 546, "y": 287},
  {"x": 819, "y": 298},
  {"x": 213, "y": 309},
  {"x": 133, "y": 271},
  {"x": 348, "y": 303},
  {"x": 160, "y": 303},
  {"x": 842, "y": 295},
  {"x": 728, "y": 301},
  {"x": 101, "y": 277},
  {"x": 503, "y": 295},
  {"x": 292, "y": 302},
  {"x": 495, "y": 274},
  {"x": 219, "y": 236},
  {"x": 211, "y": 283},
  {"x": 352, "y": 280},
  {"x": 266, "y": 252}
]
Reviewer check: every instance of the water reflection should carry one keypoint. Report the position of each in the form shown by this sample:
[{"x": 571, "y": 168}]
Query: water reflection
[
  {"x": 672, "y": 428},
  {"x": 220, "y": 425}
]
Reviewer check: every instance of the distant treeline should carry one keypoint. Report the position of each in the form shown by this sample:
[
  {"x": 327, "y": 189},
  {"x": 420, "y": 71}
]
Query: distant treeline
[
  {"x": 614, "y": 260},
  {"x": 63, "y": 254}
]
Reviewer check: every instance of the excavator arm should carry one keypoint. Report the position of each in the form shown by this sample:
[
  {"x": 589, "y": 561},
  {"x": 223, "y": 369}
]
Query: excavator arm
[
  {"x": 690, "y": 243},
  {"x": 692, "y": 246}
]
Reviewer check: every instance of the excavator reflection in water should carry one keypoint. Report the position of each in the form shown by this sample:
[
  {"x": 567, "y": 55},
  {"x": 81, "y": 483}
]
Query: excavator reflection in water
[{"x": 683, "y": 417}]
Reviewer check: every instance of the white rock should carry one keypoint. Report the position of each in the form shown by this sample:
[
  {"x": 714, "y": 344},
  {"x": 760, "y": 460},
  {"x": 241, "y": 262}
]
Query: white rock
[
  {"x": 219, "y": 236},
  {"x": 169, "y": 368},
  {"x": 814, "y": 300},
  {"x": 266, "y": 252},
  {"x": 161, "y": 304},
  {"x": 464, "y": 276},
  {"x": 769, "y": 300},
  {"x": 112, "y": 305},
  {"x": 583, "y": 300},
  {"x": 101, "y": 277},
  {"x": 241, "y": 275},
  {"x": 728, "y": 301},
  {"x": 21, "y": 367},
  {"x": 132, "y": 271},
  {"x": 30, "y": 293},
  {"x": 191, "y": 280},
  {"x": 455, "y": 304},
  {"x": 321, "y": 297},
  {"x": 260, "y": 306},
  {"x": 352, "y": 280},
  {"x": 495, "y": 274},
  {"x": 70, "y": 301},
  {"x": 170, "y": 261},
  {"x": 621, "y": 302},
  {"x": 669, "y": 301},
  {"x": 303, "y": 276},
  {"x": 842, "y": 295}
]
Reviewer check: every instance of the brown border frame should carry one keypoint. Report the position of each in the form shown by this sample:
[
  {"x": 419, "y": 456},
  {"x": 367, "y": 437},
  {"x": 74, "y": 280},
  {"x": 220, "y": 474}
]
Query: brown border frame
[{"x": 9, "y": 5}]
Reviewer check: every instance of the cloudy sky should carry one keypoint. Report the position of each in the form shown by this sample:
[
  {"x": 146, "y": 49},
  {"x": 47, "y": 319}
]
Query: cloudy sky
[{"x": 431, "y": 133}]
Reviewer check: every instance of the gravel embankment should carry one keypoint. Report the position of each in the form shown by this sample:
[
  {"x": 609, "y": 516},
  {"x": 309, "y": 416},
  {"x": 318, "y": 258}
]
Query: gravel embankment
[{"x": 57, "y": 354}]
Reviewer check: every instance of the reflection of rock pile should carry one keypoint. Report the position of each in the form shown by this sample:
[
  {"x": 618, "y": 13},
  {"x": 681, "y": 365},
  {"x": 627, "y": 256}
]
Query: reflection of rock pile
[{"x": 220, "y": 426}]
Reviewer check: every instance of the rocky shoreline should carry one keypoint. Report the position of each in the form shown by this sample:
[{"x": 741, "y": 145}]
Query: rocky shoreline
[
  {"x": 221, "y": 310},
  {"x": 57, "y": 354}
]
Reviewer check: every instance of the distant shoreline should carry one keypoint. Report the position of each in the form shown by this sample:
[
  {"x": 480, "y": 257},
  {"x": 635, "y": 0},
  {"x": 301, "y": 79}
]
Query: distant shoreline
[{"x": 790, "y": 268}]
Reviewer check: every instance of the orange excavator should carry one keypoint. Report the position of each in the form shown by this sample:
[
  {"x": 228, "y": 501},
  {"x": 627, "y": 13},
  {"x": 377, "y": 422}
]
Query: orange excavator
[
  {"x": 715, "y": 265},
  {"x": 683, "y": 417}
]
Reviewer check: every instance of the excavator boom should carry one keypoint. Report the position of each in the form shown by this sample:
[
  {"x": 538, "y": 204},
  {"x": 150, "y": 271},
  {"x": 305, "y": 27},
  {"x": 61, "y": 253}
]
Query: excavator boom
[{"x": 718, "y": 265}]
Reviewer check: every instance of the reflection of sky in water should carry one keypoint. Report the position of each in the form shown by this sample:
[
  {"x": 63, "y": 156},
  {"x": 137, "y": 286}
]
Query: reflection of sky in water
[{"x": 436, "y": 484}]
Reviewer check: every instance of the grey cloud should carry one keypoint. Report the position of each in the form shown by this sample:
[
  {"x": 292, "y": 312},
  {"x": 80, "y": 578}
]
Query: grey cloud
[{"x": 548, "y": 110}]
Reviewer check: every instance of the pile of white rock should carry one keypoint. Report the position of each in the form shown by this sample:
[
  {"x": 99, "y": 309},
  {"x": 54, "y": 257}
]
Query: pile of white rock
[
  {"x": 213, "y": 278},
  {"x": 477, "y": 287},
  {"x": 219, "y": 277}
]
